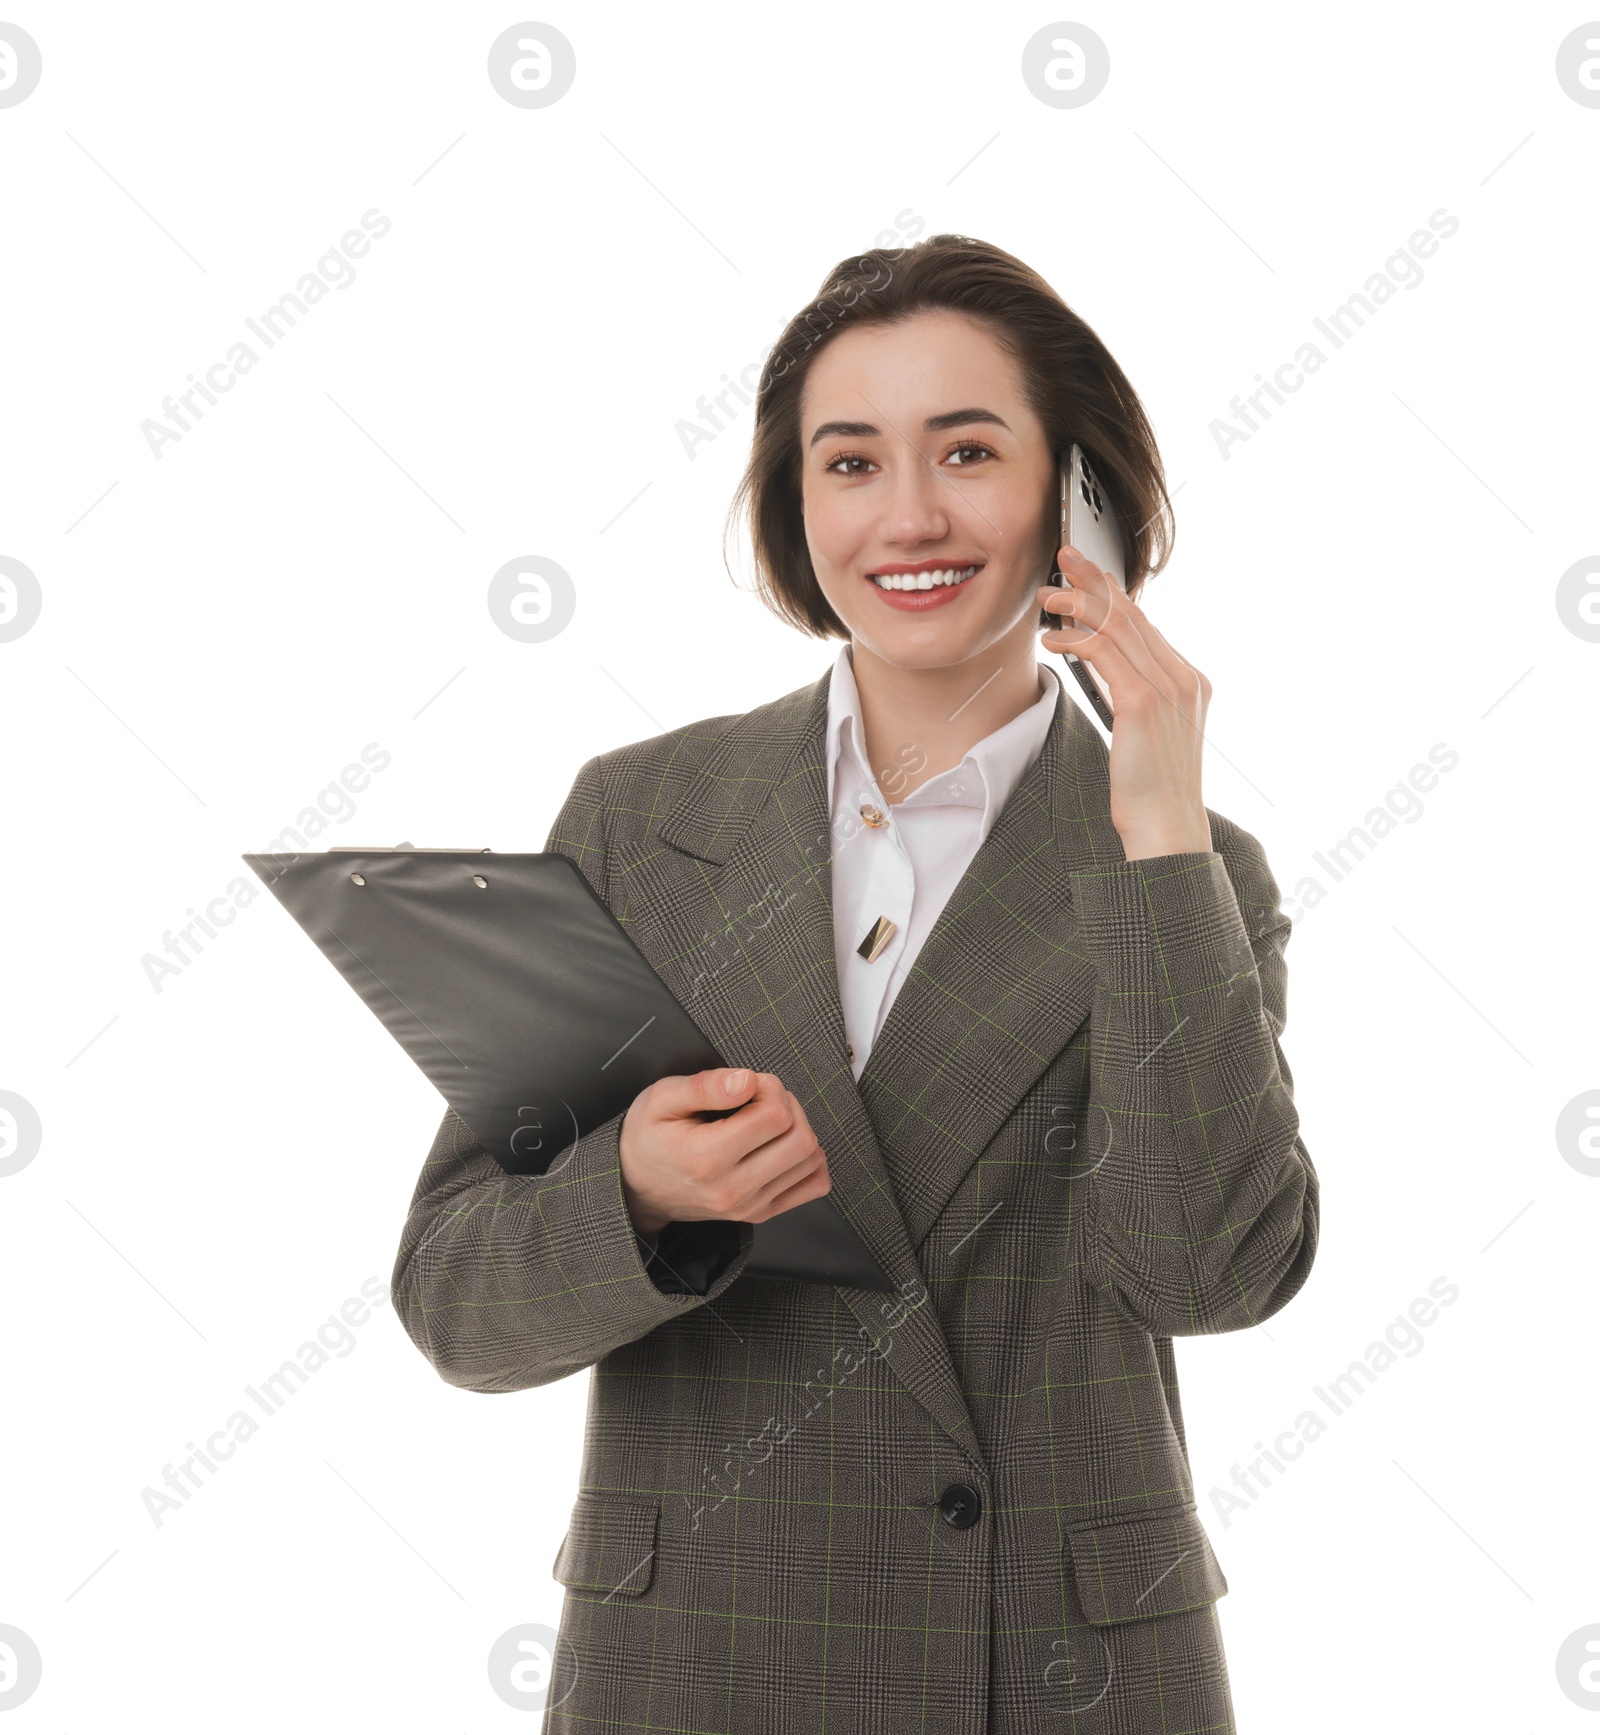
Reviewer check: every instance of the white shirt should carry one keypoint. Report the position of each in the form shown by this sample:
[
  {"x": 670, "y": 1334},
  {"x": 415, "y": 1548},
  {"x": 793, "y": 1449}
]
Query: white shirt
[{"x": 907, "y": 867}]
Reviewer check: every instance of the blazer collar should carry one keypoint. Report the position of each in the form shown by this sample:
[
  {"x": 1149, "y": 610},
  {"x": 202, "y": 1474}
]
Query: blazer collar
[{"x": 999, "y": 988}]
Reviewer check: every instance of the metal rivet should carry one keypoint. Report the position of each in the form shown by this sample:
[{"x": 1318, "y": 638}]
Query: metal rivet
[
  {"x": 480, "y": 882},
  {"x": 358, "y": 879}
]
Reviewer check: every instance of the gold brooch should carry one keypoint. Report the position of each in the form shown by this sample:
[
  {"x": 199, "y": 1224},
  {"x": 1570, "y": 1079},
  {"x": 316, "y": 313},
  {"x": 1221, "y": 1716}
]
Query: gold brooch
[{"x": 878, "y": 936}]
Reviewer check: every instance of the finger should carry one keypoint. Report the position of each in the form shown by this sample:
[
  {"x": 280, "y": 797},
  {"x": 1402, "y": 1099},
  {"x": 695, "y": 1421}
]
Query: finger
[
  {"x": 1110, "y": 600},
  {"x": 1104, "y": 609},
  {"x": 1086, "y": 622},
  {"x": 1149, "y": 649},
  {"x": 788, "y": 1186},
  {"x": 1119, "y": 652},
  {"x": 1155, "y": 635},
  {"x": 721, "y": 1179},
  {"x": 764, "y": 1163},
  {"x": 1079, "y": 570},
  {"x": 1103, "y": 655},
  {"x": 1175, "y": 693},
  {"x": 717, "y": 1089},
  {"x": 802, "y": 1192},
  {"x": 1074, "y": 608},
  {"x": 1089, "y": 596},
  {"x": 768, "y": 1115},
  {"x": 801, "y": 1119}
]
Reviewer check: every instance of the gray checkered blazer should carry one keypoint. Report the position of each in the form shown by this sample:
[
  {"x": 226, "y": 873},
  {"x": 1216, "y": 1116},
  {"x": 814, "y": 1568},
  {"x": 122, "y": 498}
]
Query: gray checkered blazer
[{"x": 963, "y": 1507}]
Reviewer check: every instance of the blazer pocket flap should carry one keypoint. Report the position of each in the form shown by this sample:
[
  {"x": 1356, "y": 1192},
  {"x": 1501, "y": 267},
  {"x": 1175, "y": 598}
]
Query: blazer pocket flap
[
  {"x": 610, "y": 1546},
  {"x": 1136, "y": 1568}
]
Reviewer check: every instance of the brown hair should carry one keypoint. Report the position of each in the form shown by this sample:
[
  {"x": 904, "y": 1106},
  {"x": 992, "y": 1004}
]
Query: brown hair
[{"x": 1074, "y": 387}]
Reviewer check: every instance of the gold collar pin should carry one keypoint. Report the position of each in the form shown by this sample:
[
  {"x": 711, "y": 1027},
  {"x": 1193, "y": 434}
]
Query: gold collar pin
[{"x": 878, "y": 936}]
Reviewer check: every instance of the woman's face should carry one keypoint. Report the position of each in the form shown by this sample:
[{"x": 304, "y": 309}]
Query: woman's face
[{"x": 921, "y": 455}]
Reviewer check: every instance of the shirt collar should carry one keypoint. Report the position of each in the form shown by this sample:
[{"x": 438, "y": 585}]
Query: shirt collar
[{"x": 989, "y": 773}]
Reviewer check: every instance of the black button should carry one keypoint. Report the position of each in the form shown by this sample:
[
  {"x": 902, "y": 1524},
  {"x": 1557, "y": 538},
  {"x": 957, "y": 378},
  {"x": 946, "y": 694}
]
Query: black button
[{"x": 959, "y": 1506}]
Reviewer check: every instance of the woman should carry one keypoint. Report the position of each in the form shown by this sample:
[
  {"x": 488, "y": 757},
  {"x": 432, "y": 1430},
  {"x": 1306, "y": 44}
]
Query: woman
[{"x": 1013, "y": 998}]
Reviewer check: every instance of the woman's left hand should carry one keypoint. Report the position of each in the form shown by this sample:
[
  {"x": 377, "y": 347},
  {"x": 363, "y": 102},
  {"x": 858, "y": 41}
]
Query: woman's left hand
[{"x": 1158, "y": 699}]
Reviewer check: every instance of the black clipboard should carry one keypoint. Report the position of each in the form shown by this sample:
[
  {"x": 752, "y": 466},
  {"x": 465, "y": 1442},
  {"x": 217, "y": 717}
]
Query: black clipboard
[{"x": 528, "y": 1007}]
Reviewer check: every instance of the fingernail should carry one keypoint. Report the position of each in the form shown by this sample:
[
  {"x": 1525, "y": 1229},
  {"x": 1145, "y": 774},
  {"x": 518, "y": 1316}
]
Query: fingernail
[{"x": 735, "y": 1082}]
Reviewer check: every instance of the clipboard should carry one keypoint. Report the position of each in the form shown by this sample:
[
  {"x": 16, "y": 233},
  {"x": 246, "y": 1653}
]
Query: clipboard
[{"x": 528, "y": 1007}]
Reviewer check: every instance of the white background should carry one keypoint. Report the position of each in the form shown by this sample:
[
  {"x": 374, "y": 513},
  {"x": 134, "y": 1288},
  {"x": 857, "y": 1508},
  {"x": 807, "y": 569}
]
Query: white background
[{"x": 224, "y": 628}]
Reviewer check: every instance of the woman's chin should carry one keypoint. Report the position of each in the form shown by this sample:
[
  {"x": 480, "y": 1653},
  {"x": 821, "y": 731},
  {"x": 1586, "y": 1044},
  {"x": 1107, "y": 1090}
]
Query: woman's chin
[
  {"x": 934, "y": 639},
  {"x": 926, "y": 644}
]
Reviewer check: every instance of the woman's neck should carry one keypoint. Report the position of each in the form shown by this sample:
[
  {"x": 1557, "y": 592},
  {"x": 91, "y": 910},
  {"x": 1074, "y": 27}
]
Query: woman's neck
[{"x": 920, "y": 723}]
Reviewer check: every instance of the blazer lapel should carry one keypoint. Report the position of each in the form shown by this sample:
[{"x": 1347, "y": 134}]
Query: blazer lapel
[
  {"x": 749, "y": 950},
  {"x": 1001, "y": 983}
]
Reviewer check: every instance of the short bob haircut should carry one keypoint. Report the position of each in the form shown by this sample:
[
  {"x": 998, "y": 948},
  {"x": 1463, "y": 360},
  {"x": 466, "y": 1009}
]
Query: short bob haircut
[{"x": 1074, "y": 387}]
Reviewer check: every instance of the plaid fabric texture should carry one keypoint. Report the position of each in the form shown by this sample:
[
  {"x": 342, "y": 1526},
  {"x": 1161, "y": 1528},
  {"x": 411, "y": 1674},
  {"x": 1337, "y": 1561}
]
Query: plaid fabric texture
[{"x": 1073, "y": 1141}]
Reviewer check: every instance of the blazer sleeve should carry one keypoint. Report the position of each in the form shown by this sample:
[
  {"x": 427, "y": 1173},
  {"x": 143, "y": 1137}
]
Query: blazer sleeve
[
  {"x": 511, "y": 1281},
  {"x": 1202, "y": 1199}
]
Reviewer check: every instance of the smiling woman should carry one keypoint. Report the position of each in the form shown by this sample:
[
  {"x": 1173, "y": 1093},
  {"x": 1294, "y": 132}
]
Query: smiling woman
[{"x": 1014, "y": 1000}]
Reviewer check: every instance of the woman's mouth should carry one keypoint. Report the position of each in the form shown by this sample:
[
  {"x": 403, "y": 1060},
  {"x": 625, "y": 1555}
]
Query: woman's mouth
[{"x": 923, "y": 586}]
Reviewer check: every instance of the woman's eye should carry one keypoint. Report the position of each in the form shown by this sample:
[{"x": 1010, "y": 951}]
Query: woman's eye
[
  {"x": 847, "y": 459},
  {"x": 966, "y": 450}
]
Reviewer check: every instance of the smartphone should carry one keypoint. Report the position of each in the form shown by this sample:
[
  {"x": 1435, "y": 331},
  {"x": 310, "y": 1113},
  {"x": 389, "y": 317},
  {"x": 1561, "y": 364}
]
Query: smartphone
[{"x": 1089, "y": 524}]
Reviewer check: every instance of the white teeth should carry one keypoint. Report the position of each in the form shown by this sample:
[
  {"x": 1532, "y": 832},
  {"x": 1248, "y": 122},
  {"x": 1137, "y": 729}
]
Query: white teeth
[{"x": 922, "y": 580}]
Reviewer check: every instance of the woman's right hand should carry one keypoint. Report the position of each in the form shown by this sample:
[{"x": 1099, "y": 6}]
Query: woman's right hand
[{"x": 679, "y": 1166}]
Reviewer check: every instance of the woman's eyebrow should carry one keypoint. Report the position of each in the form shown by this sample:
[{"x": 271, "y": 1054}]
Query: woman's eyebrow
[
  {"x": 956, "y": 418},
  {"x": 933, "y": 425}
]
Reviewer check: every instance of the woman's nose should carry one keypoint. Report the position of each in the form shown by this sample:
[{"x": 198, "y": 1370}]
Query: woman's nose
[{"x": 917, "y": 513}]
